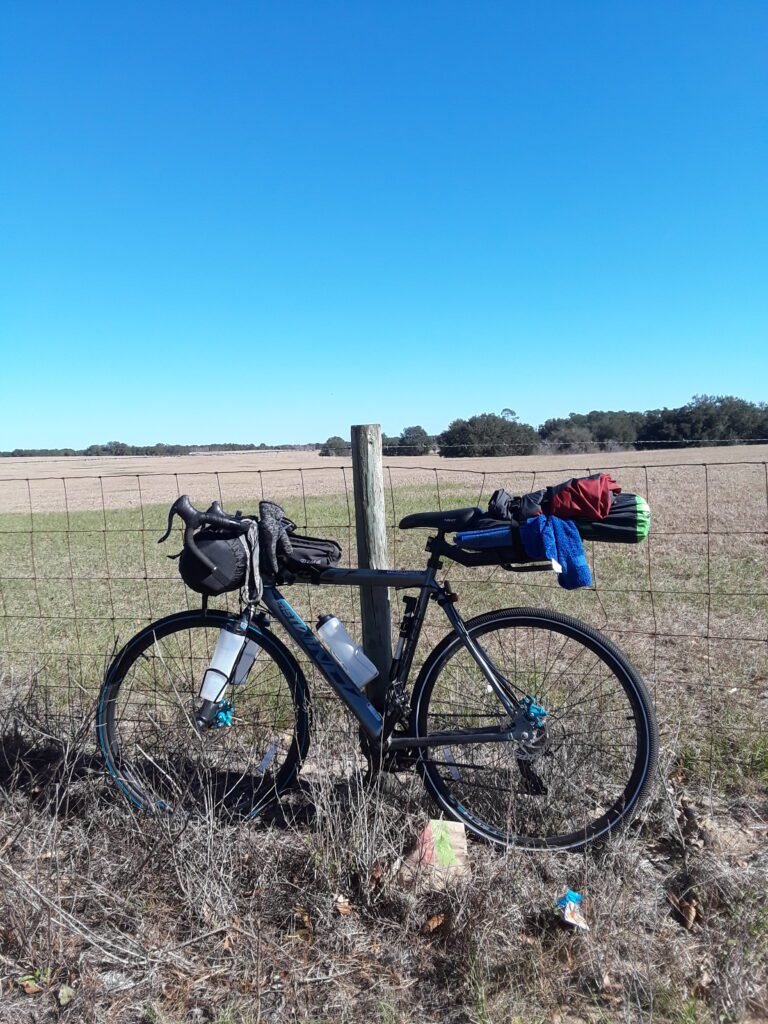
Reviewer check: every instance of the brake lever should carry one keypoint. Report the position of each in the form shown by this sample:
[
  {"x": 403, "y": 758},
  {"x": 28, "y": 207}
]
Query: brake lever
[
  {"x": 167, "y": 534},
  {"x": 186, "y": 511}
]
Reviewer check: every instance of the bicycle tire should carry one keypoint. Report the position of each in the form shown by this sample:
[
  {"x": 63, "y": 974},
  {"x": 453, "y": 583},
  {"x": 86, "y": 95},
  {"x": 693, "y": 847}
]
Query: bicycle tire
[
  {"x": 488, "y": 786},
  {"x": 145, "y": 721}
]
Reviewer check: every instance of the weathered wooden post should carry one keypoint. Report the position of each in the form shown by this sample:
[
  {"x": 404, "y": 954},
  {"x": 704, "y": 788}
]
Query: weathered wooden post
[{"x": 371, "y": 530}]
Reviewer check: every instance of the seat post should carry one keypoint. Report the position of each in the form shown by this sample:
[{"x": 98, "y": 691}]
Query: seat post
[{"x": 434, "y": 547}]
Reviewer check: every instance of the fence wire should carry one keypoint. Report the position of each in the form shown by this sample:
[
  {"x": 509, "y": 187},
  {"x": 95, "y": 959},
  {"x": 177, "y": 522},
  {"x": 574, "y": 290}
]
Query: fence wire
[{"x": 81, "y": 572}]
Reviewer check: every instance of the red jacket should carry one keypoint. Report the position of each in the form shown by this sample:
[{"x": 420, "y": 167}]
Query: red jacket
[{"x": 585, "y": 497}]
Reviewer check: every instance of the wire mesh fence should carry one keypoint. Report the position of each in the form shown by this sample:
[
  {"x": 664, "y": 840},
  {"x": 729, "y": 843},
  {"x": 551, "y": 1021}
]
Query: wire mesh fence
[{"x": 81, "y": 572}]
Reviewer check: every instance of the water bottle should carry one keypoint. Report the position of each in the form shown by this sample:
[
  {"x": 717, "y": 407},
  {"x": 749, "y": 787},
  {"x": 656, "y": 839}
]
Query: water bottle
[
  {"x": 225, "y": 653},
  {"x": 345, "y": 651},
  {"x": 247, "y": 658}
]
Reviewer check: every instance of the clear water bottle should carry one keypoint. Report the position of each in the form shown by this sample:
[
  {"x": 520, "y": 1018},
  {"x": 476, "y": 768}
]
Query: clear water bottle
[
  {"x": 244, "y": 665},
  {"x": 225, "y": 653},
  {"x": 346, "y": 651}
]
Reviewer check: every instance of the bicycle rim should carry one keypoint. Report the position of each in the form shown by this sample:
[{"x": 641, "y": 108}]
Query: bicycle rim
[{"x": 584, "y": 773}]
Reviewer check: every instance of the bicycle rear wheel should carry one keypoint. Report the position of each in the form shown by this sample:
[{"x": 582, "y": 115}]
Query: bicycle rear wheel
[
  {"x": 146, "y": 715},
  {"x": 589, "y": 757}
]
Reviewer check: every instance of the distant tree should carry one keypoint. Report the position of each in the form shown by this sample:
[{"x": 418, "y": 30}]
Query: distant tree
[
  {"x": 335, "y": 446},
  {"x": 614, "y": 427},
  {"x": 550, "y": 428},
  {"x": 706, "y": 418},
  {"x": 487, "y": 434},
  {"x": 412, "y": 441},
  {"x": 606, "y": 429},
  {"x": 116, "y": 448},
  {"x": 415, "y": 441},
  {"x": 569, "y": 437}
]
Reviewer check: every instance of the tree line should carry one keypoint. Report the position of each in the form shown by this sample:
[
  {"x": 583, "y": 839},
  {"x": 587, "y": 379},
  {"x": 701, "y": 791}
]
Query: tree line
[
  {"x": 705, "y": 420},
  {"x": 121, "y": 448}
]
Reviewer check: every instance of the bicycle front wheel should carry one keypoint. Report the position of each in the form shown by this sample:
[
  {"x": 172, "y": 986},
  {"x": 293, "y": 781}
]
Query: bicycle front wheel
[
  {"x": 146, "y": 720},
  {"x": 587, "y": 761}
]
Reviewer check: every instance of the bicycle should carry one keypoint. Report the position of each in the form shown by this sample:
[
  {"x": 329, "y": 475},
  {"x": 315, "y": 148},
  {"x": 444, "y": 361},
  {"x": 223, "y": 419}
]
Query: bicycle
[{"x": 529, "y": 726}]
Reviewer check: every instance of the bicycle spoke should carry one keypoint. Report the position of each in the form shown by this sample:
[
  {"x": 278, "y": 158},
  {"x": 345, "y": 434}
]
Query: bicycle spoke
[
  {"x": 577, "y": 771},
  {"x": 158, "y": 748}
]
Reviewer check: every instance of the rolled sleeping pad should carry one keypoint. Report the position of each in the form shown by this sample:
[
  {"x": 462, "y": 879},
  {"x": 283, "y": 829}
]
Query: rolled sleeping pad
[{"x": 627, "y": 522}]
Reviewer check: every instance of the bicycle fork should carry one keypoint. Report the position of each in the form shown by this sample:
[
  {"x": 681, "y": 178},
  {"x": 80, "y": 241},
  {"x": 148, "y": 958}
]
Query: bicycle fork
[
  {"x": 511, "y": 704},
  {"x": 231, "y": 661}
]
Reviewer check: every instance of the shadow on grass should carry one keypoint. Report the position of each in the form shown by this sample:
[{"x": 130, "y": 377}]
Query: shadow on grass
[
  {"x": 49, "y": 772},
  {"x": 63, "y": 781}
]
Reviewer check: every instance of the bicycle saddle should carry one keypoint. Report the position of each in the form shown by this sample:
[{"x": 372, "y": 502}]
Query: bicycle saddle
[{"x": 455, "y": 519}]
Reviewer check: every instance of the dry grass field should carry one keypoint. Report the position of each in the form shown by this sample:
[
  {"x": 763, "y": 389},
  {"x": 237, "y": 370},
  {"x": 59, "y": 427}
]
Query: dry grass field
[
  {"x": 37, "y": 482},
  {"x": 168, "y": 921}
]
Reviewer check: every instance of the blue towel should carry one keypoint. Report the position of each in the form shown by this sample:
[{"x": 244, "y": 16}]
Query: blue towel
[{"x": 552, "y": 537}]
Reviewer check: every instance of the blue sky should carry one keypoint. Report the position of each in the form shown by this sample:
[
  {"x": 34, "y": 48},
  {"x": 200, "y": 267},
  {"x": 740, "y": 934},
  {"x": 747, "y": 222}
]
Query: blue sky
[{"x": 266, "y": 221}]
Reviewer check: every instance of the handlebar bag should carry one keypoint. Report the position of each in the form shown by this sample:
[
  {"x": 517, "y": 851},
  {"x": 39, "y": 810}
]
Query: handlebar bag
[
  {"x": 277, "y": 550},
  {"x": 229, "y": 555}
]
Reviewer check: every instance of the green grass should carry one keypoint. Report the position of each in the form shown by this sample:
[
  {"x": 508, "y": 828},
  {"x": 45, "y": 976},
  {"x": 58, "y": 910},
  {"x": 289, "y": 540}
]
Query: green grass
[{"x": 730, "y": 760}]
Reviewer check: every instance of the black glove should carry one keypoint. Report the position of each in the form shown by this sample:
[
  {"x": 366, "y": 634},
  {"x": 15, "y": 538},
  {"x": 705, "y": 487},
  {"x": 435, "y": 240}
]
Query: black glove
[{"x": 274, "y": 543}]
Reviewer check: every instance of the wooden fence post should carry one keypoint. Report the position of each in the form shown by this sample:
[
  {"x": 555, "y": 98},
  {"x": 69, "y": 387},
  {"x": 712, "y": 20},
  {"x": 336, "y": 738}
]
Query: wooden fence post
[{"x": 371, "y": 530}]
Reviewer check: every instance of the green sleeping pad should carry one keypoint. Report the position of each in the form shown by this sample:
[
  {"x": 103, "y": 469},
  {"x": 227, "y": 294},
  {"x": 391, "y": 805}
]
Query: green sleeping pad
[{"x": 628, "y": 522}]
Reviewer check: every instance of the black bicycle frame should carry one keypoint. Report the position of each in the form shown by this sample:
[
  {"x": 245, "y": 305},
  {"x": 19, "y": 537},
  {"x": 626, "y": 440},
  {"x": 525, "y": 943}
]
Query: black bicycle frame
[{"x": 375, "y": 725}]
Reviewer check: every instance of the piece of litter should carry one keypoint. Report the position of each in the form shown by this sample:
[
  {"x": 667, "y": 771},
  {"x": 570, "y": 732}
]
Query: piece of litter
[
  {"x": 569, "y": 908},
  {"x": 687, "y": 909},
  {"x": 440, "y": 855}
]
